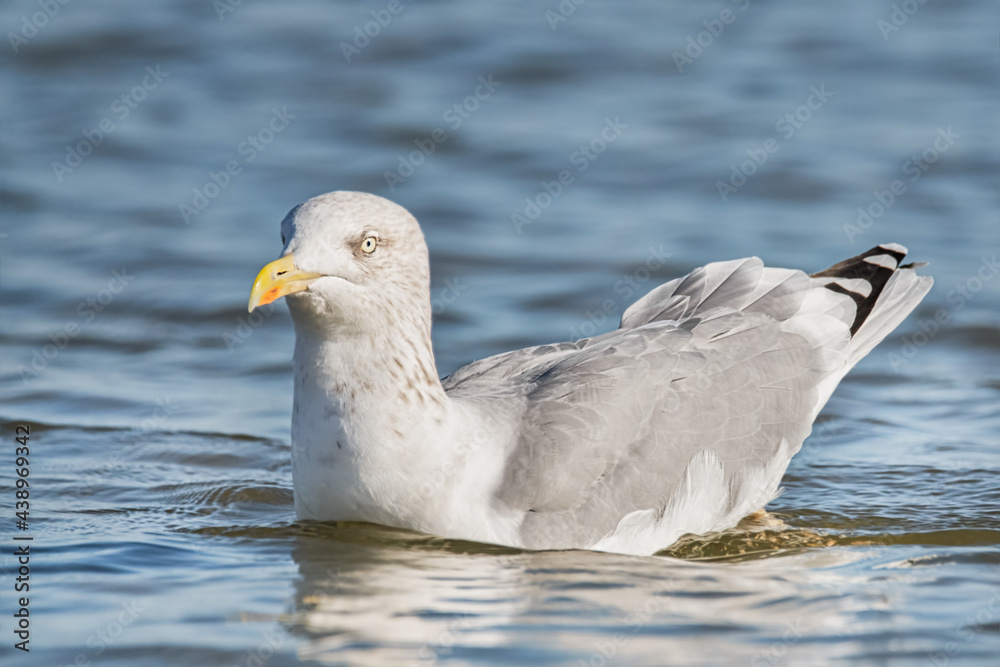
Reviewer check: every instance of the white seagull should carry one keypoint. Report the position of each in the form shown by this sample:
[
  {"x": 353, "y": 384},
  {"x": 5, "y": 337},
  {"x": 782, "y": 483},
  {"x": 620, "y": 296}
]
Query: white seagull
[{"x": 682, "y": 420}]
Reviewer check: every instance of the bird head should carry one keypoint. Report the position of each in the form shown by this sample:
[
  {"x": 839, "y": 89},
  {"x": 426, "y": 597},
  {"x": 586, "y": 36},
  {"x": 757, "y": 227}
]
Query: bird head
[{"x": 351, "y": 261}]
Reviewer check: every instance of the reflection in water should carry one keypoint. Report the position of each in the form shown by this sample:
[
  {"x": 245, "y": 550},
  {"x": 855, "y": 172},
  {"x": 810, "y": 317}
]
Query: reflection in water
[
  {"x": 417, "y": 601},
  {"x": 402, "y": 604}
]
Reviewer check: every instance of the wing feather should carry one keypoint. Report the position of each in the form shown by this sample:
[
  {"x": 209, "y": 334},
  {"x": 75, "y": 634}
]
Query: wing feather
[{"x": 705, "y": 392}]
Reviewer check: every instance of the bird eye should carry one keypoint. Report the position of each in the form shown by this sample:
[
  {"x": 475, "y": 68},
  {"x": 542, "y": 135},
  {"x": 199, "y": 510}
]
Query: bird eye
[
  {"x": 282, "y": 239},
  {"x": 368, "y": 245}
]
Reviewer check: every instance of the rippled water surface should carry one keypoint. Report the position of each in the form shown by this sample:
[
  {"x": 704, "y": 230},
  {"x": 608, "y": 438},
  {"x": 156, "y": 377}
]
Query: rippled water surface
[{"x": 151, "y": 149}]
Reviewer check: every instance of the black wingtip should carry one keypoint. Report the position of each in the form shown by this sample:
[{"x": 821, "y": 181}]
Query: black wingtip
[{"x": 875, "y": 267}]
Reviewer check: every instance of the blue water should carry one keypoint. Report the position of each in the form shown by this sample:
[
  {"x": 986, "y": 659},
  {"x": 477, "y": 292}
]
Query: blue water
[{"x": 151, "y": 149}]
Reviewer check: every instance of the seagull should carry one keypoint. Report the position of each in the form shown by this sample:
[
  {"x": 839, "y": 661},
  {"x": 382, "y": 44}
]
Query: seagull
[{"x": 681, "y": 421}]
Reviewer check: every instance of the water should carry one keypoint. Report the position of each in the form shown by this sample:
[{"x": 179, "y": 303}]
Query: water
[{"x": 161, "y": 500}]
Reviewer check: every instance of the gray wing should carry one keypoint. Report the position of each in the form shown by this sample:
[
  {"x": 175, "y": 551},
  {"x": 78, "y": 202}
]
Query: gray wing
[{"x": 729, "y": 360}]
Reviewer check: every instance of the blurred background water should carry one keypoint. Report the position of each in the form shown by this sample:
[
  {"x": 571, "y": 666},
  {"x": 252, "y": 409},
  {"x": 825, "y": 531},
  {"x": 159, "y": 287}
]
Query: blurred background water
[{"x": 151, "y": 149}]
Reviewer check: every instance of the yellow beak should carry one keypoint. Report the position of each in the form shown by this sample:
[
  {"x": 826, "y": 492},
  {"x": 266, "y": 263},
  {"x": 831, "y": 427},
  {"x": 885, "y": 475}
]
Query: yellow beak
[{"x": 277, "y": 279}]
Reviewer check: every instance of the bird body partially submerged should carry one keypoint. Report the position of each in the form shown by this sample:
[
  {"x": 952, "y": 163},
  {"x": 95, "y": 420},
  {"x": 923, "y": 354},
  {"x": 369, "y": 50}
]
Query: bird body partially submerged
[{"x": 683, "y": 420}]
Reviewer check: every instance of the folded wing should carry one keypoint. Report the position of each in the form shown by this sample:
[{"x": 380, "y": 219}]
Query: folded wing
[{"x": 685, "y": 418}]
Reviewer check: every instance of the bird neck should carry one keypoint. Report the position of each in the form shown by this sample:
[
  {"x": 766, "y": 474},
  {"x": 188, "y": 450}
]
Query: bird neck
[
  {"x": 370, "y": 419},
  {"x": 364, "y": 377}
]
